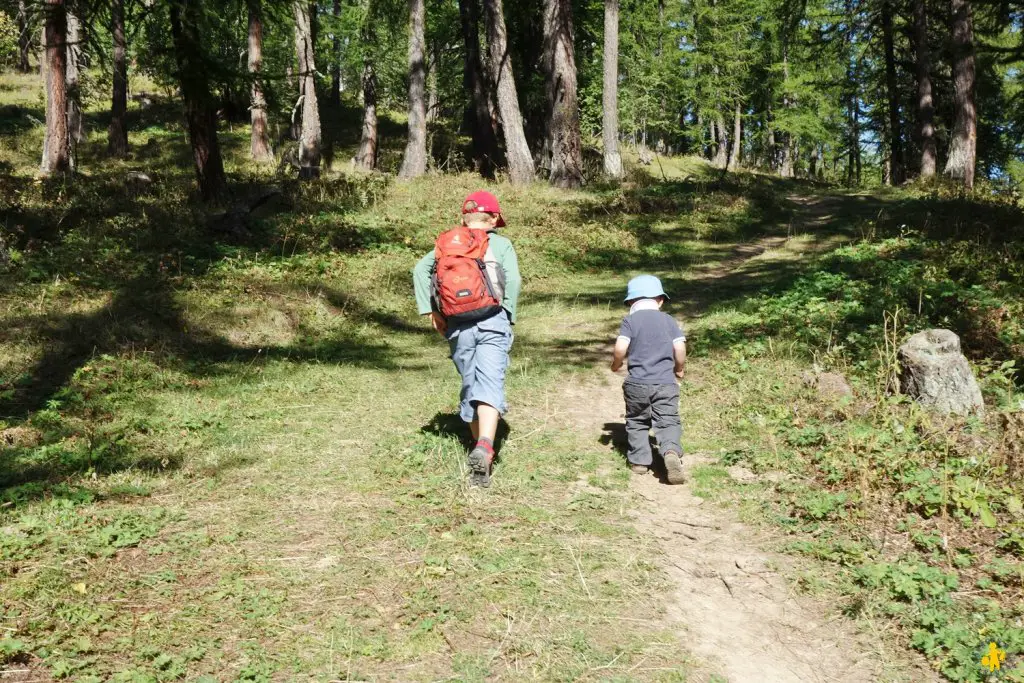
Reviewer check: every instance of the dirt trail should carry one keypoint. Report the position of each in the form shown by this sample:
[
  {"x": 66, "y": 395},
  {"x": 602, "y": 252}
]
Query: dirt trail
[{"x": 731, "y": 601}]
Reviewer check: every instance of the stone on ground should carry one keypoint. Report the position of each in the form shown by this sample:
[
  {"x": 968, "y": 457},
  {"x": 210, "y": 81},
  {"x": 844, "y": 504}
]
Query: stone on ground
[{"x": 936, "y": 374}]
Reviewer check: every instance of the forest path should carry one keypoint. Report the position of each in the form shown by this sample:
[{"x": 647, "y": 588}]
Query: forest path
[{"x": 730, "y": 601}]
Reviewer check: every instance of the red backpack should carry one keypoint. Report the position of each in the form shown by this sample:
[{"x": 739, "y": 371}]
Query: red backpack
[{"x": 466, "y": 277}]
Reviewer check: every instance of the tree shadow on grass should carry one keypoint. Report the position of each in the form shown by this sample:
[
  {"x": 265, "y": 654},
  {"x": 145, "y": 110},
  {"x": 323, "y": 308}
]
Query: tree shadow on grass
[{"x": 116, "y": 244}]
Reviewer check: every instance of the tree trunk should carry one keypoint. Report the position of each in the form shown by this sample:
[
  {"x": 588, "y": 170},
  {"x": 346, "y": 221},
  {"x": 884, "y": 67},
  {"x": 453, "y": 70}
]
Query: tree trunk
[
  {"x": 563, "y": 105},
  {"x": 786, "y": 169},
  {"x": 24, "y": 38},
  {"x": 962, "y": 149},
  {"x": 610, "y": 96},
  {"x": 737, "y": 139},
  {"x": 314, "y": 28},
  {"x": 520, "y": 162},
  {"x": 76, "y": 131},
  {"x": 722, "y": 150},
  {"x": 56, "y": 141},
  {"x": 812, "y": 166},
  {"x": 925, "y": 107},
  {"x": 897, "y": 165},
  {"x": 772, "y": 151},
  {"x": 309, "y": 136},
  {"x": 259, "y": 139},
  {"x": 336, "y": 57},
  {"x": 414, "y": 162},
  {"x": 366, "y": 157},
  {"x": 478, "y": 112},
  {"x": 117, "y": 133},
  {"x": 200, "y": 109},
  {"x": 433, "y": 97}
]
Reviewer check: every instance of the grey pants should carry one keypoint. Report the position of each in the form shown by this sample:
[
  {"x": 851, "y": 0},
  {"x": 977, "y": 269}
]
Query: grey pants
[{"x": 648, "y": 404}]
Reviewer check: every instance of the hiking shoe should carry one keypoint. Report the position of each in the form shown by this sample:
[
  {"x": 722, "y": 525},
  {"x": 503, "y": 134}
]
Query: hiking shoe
[
  {"x": 479, "y": 462},
  {"x": 674, "y": 468},
  {"x": 639, "y": 469}
]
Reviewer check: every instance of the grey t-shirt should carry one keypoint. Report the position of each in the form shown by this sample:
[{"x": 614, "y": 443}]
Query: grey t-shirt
[{"x": 651, "y": 334}]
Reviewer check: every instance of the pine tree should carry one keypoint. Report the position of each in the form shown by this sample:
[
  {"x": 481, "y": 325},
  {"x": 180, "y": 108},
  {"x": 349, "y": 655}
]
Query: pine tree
[
  {"x": 962, "y": 149},
  {"x": 477, "y": 115},
  {"x": 517, "y": 151},
  {"x": 200, "y": 108},
  {"x": 366, "y": 157},
  {"x": 259, "y": 137},
  {"x": 414, "y": 162},
  {"x": 117, "y": 132},
  {"x": 24, "y": 37},
  {"x": 309, "y": 137},
  {"x": 56, "y": 142},
  {"x": 563, "y": 130},
  {"x": 925, "y": 108},
  {"x": 610, "y": 94}
]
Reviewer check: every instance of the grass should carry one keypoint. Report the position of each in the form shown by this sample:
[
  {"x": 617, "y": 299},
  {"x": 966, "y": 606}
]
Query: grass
[{"x": 239, "y": 458}]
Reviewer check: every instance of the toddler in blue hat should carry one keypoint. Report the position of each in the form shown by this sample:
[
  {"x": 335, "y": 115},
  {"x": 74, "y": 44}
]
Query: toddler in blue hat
[{"x": 655, "y": 346}]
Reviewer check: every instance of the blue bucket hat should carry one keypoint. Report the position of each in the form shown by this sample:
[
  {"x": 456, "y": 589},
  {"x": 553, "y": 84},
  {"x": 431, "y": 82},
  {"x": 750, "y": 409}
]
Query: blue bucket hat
[{"x": 644, "y": 287}]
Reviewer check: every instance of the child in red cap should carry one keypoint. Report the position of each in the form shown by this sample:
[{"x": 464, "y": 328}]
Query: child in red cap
[{"x": 479, "y": 347}]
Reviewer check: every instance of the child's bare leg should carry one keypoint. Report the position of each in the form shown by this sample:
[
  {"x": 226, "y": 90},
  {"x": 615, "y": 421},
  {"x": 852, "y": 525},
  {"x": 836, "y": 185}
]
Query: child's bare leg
[{"x": 486, "y": 422}]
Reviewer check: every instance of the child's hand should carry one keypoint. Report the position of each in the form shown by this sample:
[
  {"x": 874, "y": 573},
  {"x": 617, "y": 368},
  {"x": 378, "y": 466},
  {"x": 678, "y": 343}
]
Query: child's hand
[
  {"x": 439, "y": 323},
  {"x": 681, "y": 372}
]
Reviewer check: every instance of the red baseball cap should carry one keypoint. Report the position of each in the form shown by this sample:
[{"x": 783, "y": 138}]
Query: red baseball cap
[{"x": 485, "y": 203}]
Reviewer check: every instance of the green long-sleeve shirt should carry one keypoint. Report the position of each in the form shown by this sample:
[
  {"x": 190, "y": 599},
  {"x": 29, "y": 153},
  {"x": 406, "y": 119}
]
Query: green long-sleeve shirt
[{"x": 503, "y": 252}]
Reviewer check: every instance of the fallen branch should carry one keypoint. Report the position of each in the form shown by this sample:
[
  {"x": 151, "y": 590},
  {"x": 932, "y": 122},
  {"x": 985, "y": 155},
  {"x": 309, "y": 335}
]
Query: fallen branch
[{"x": 695, "y": 524}]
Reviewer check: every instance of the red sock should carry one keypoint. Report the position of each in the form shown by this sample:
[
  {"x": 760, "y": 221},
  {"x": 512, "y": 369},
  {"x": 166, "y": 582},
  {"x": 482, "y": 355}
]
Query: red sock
[{"x": 485, "y": 444}]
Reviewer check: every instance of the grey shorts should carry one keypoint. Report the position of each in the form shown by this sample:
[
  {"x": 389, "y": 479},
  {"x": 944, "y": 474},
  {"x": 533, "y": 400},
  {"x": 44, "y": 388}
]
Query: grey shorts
[{"x": 480, "y": 352}]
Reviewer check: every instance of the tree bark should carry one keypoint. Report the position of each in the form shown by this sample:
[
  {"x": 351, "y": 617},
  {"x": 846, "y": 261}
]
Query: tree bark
[
  {"x": 722, "y": 149},
  {"x": 897, "y": 166},
  {"x": 433, "y": 96},
  {"x": 925, "y": 106},
  {"x": 56, "y": 141},
  {"x": 336, "y": 57},
  {"x": 24, "y": 38},
  {"x": 478, "y": 112},
  {"x": 563, "y": 105},
  {"x": 737, "y": 139},
  {"x": 117, "y": 133},
  {"x": 414, "y": 162},
  {"x": 309, "y": 135},
  {"x": 610, "y": 95},
  {"x": 366, "y": 157},
  {"x": 76, "y": 131},
  {"x": 517, "y": 151},
  {"x": 712, "y": 140},
  {"x": 259, "y": 142},
  {"x": 786, "y": 169},
  {"x": 200, "y": 109},
  {"x": 963, "y": 147}
]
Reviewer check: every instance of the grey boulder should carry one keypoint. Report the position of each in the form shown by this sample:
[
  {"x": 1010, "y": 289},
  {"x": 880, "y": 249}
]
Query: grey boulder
[{"x": 936, "y": 374}]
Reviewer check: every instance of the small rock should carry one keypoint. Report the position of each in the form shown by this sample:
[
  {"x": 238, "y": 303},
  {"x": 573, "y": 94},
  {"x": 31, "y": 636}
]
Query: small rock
[
  {"x": 138, "y": 178},
  {"x": 936, "y": 374},
  {"x": 741, "y": 474},
  {"x": 828, "y": 384}
]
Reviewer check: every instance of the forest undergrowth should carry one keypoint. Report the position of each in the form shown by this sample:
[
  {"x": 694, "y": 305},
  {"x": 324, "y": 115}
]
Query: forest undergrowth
[{"x": 222, "y": 450}]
